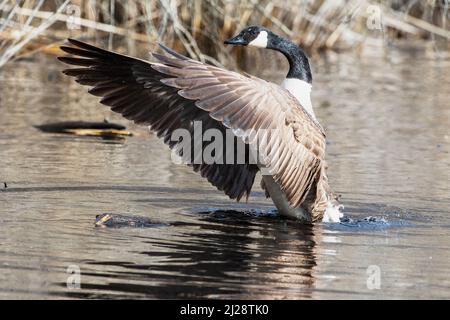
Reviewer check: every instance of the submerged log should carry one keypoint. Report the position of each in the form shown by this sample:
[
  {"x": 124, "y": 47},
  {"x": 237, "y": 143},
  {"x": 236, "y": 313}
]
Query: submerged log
[
  {"x": 83, "y": 128},
  {"x": 109, "y": 220}
]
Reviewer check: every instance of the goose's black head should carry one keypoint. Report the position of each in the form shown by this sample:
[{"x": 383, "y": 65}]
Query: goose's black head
[
  {"x": 264, "y": 38},
  {"x": 252, "y": 36}
]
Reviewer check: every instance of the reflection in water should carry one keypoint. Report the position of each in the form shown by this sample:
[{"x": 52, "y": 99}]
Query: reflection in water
[
  {"x": 214, "y": 259},
  {"x": 387, "y": 123}
]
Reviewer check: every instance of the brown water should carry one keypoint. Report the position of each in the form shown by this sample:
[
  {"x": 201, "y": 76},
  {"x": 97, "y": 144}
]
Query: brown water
[{"x": 387, "y": 119}]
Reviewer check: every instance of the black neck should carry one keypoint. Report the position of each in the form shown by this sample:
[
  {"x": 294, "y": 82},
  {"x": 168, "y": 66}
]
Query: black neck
[{"x": 298, "y": 61}]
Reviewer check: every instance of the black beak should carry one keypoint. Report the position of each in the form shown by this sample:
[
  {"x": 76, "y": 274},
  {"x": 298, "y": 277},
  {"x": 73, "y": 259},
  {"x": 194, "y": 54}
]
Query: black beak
[{"x": 238, "y": 40}]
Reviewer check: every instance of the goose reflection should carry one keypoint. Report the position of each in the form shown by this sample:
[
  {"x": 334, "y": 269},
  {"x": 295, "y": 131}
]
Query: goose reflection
[{"x": 220, "y": 255}]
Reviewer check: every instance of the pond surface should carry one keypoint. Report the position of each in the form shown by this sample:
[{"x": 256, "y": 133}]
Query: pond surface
[{"x": 387, "y": 119}]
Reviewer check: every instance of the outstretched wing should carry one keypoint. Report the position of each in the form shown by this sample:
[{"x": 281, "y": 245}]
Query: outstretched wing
[
  {"x": 291, "y": 145},
  {"x": 134, "y": 89}
]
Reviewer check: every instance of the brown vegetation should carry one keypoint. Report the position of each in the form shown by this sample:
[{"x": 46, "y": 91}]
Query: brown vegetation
[{"x": 198, "y": 27}]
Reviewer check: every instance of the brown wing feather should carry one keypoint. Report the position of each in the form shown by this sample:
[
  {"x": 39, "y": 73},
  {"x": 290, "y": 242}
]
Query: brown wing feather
[{"x": 134, "y": 89}]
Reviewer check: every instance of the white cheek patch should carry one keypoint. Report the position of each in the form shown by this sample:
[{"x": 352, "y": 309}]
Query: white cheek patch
[{"x": 260, "y": 41}]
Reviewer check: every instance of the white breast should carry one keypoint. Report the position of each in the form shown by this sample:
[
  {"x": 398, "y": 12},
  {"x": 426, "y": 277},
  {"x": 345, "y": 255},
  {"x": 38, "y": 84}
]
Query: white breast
[
  {"x": 279, "y": 199},
  {"x": 301, "y": 90}
]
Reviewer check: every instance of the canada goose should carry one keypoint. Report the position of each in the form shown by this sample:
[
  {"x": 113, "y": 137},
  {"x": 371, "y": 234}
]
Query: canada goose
[{"x": 177, "y": 91}]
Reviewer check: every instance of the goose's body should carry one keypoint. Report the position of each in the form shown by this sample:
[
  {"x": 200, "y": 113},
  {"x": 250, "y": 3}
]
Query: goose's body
[{"x": 177, "y": 92}]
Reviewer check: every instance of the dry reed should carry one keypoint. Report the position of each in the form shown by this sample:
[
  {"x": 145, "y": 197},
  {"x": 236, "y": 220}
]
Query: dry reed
[{"x": 198, "y": 27}]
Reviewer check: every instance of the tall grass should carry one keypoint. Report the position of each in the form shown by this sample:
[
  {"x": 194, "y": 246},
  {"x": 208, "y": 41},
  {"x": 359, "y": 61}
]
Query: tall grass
[{"x": 198, "y": 27}]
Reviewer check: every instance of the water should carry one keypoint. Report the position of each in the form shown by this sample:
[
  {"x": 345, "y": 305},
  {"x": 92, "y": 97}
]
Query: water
[{"x": 387, "y": 120}]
